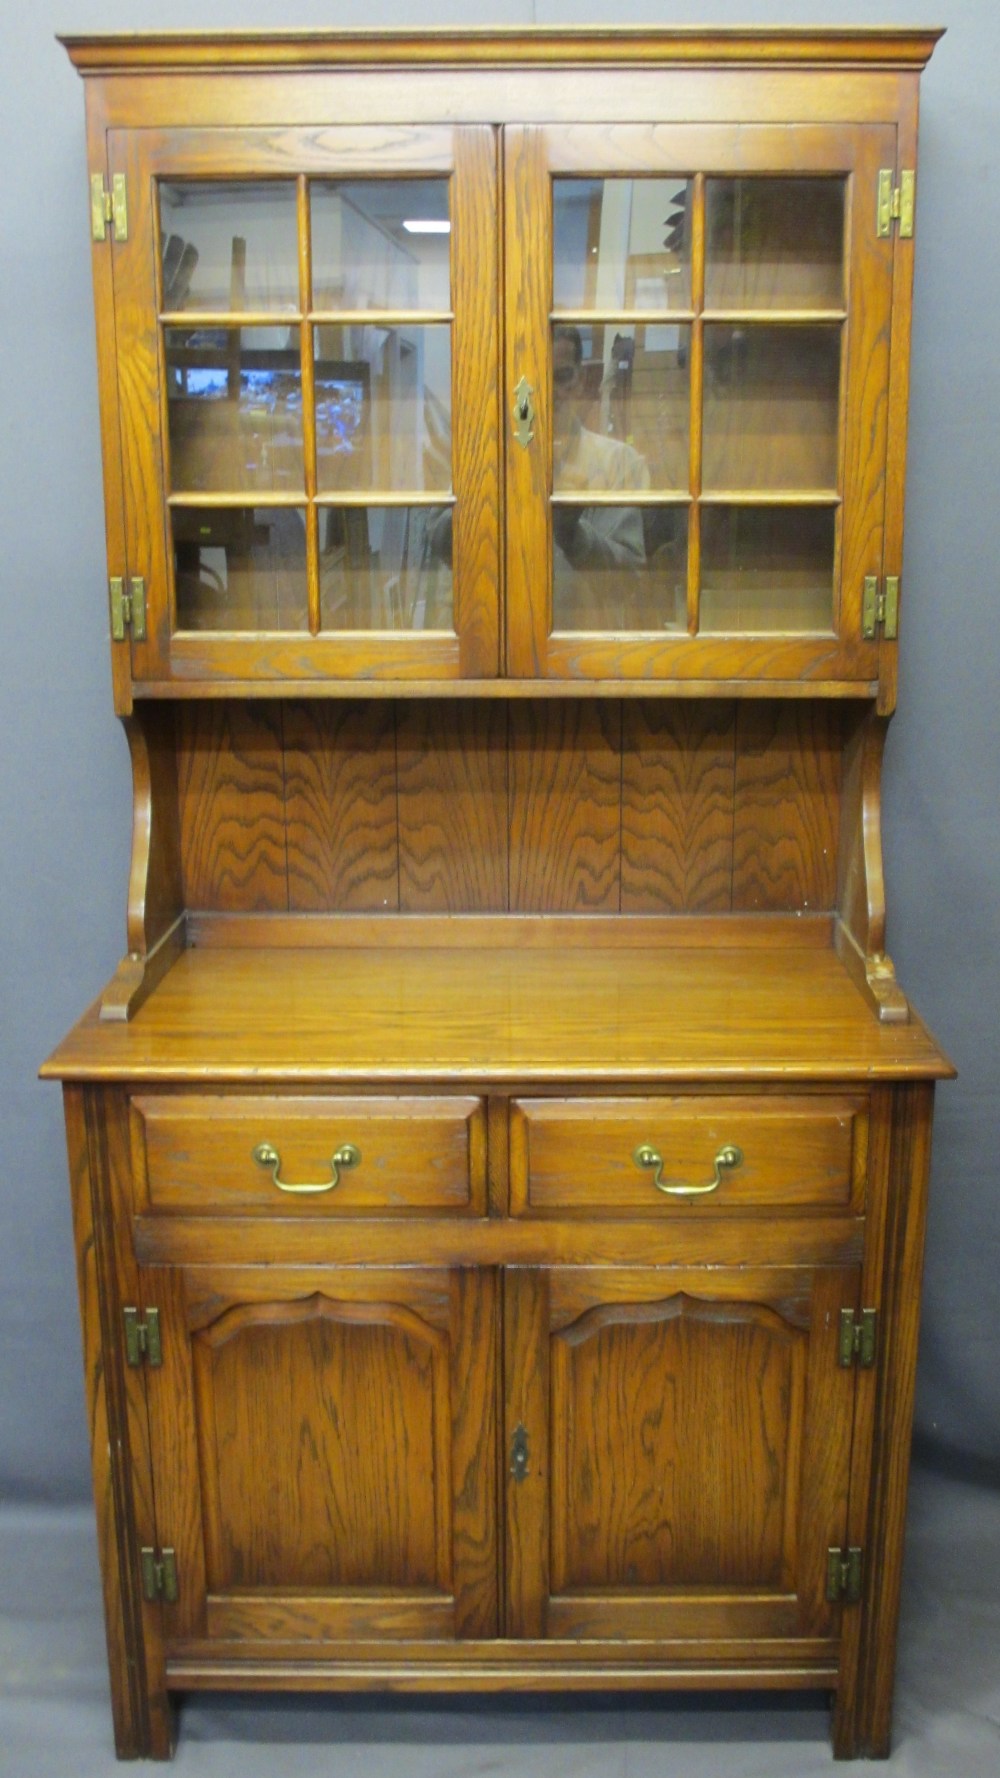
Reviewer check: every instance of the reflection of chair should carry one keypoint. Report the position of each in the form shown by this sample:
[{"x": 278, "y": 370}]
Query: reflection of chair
[{"x": 259, "y": 582}]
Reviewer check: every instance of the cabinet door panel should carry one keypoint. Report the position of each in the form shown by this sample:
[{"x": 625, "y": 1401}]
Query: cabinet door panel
[
  {"x": 307, "y": 345},
  {"x": 689, "y": 1444},
  {"x": 702, "y": 316},
  {"x": 323, "y": 1445}
]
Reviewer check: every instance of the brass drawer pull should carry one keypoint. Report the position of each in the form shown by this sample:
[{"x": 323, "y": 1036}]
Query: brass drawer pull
[
  {"x": 346, "y": 1156},
  {"x": 728, "y": 1157}
]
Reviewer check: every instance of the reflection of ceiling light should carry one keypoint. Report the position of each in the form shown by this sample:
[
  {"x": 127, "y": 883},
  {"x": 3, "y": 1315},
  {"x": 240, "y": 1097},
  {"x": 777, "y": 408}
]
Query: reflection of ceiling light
[{"x": 418, "y": 225}]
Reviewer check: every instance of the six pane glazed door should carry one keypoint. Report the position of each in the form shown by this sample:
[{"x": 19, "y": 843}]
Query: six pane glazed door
[
  {"x": 324, "y": 1460},
  {"x": 688, "y": 1439},
  {"x": 307, "y": 346},
  {"x": 696, "y": 382}
]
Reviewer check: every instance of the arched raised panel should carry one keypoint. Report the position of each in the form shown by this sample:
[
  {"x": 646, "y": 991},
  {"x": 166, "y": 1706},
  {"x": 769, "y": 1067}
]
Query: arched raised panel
[
  {"x": 676, "y": 1446},
  {"x": 324, "y": 1446}
]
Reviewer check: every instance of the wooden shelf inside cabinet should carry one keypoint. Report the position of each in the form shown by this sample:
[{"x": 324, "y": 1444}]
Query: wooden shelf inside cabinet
[{"x": 499, "y": 1161}]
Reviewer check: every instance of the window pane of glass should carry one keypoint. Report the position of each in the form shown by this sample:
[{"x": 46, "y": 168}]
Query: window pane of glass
[
  {"x": 774, "y": 243},
  {"x": 383, "y": 408},
  {"x": 386, "y": 568},
  {"x": 240, "y": 569},
  {"x": 381, "y": 244},
  {"x": 767, "y": 569},
  {"x": 229, "y": 246},
  {"x": 621, "y": 244},
  {"x": 771, "y": 407},
  {"x": 620, "y": 407},
  {"x": 234, "y": 406},
  {"x": 619, "y": 568}
]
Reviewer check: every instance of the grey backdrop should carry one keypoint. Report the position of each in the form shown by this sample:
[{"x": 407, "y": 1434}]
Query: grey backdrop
[{"x": 64, "y": 780}]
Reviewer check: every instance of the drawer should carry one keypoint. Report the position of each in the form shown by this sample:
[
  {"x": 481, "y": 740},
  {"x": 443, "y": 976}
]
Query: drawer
[
  {"x": 797, "y": 1152},
  {"x": 197, "y": 1154}
]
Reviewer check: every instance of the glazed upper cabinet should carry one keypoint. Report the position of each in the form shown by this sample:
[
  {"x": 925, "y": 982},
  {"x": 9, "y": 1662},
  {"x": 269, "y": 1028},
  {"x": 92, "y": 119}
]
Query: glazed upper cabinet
[
  {"x": 680, "y": 380},
  {"x": 703, "y": 314},
  {"x": 307, "y": 356}
]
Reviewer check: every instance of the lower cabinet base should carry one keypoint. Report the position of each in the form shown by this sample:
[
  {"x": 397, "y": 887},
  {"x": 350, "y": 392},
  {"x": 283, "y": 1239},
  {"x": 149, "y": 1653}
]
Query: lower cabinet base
[
  {"x": 506, "y": 1670},
  {"x": 499, "y": 1453},
  {"x": 514, "y": 1671}
]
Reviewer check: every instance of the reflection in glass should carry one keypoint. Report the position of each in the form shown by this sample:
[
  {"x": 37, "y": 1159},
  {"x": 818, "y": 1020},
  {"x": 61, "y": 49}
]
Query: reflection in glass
[
  {"x": 774, "y": 243},
  {"x": 619, "y": 568},
  {"x": 234, "y": 408},
  {"x": 240, "y": 569},
  {"x": 229, "y": 246},
  {"x": 771, "y": 407},
  {"x": 621, "y": 244},
  {"x": 386, "y": 568},
  {"x": 766, "y": 569},
  {"x": 381, "y": 244},
  {"x": 383, "y": 408},
  {"x": 620, "y": 407}
]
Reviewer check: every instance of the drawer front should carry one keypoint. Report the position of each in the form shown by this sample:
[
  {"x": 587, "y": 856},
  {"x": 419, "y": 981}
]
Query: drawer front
[
  {"x": 796, "y": 1152},
  {"x": 199, "y": 1154}
]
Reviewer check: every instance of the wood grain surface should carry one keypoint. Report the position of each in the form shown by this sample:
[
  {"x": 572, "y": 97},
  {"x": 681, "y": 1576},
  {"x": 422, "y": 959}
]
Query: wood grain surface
[
  {"x": 548, "y": 805},
  {"x": 231, "y": 790},
  {"x": 505, "y": 1014},
  {"x": 339, "y": 776},
  {"x": 678, "y": 788},
  {"x": 565, "y": 807},
  {"x": 349, "y": 1397},
  {"x": 452, "y": 807},
  {"x": 619, "y": 1377},
  {"x": 787, "y": 808}
]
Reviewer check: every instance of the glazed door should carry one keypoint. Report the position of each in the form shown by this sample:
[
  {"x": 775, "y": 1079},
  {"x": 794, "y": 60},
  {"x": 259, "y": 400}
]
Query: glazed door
[
  {"x": 696, "y": 386},
  {"x": 685, "y": 1447},
  {"x": 323, "y": 1454},
  {"x": 307, "y": 360}
]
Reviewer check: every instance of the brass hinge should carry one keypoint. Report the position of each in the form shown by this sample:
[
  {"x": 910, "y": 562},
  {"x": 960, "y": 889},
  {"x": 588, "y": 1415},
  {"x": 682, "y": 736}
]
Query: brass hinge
[
  {"x": 843, "y": 1575},
  {"x": 880, "y": 605},
  {"x": 142, "y": 1338},
  {"x": 519, "y": 1454},
  {"x": 857, "y": 1339},
  {"x": 895, "y": 202},
  {"x": 128, "y": 609},
  {"x": 159, "y": 1575},
  {"x": 108, "y": 206}
]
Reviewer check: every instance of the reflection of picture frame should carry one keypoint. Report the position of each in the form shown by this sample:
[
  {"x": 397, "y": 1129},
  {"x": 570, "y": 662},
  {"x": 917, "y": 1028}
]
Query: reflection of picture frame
[{"x": 348, "y": 381}]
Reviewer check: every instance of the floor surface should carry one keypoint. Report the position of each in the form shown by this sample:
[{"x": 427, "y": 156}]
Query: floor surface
[{"x": 55, "y": 1720}]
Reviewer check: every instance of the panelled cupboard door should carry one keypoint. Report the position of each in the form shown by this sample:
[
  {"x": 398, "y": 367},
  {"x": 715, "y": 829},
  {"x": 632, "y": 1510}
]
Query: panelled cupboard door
[
  {"x": 685, "y": 1442},
  {"x": 696, "y": 383},
  {"x": 323, "y": 1451},
  {"x": 307, "y": 349}
]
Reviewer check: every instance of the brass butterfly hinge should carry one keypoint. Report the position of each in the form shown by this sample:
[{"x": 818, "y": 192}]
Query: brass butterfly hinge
[
  {"x": 108, "y": 207},
  {"x": 142, "y": 1337},
  {"x": 880, "y": 606},
  {"x": 843, "y": 1575},
  {"x": 128, "y": 609},
  {"x": 896, "y": 202},
  {"x": 856, "y": 1344},
  {"x": 159, "y": 1575}
]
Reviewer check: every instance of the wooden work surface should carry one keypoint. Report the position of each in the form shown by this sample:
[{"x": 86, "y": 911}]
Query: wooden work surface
[{"x": 505, "y": 1014}]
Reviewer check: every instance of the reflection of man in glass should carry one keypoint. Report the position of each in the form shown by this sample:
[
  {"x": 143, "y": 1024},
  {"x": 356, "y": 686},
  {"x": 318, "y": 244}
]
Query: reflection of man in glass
[{"x": 594, "y": 537}]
